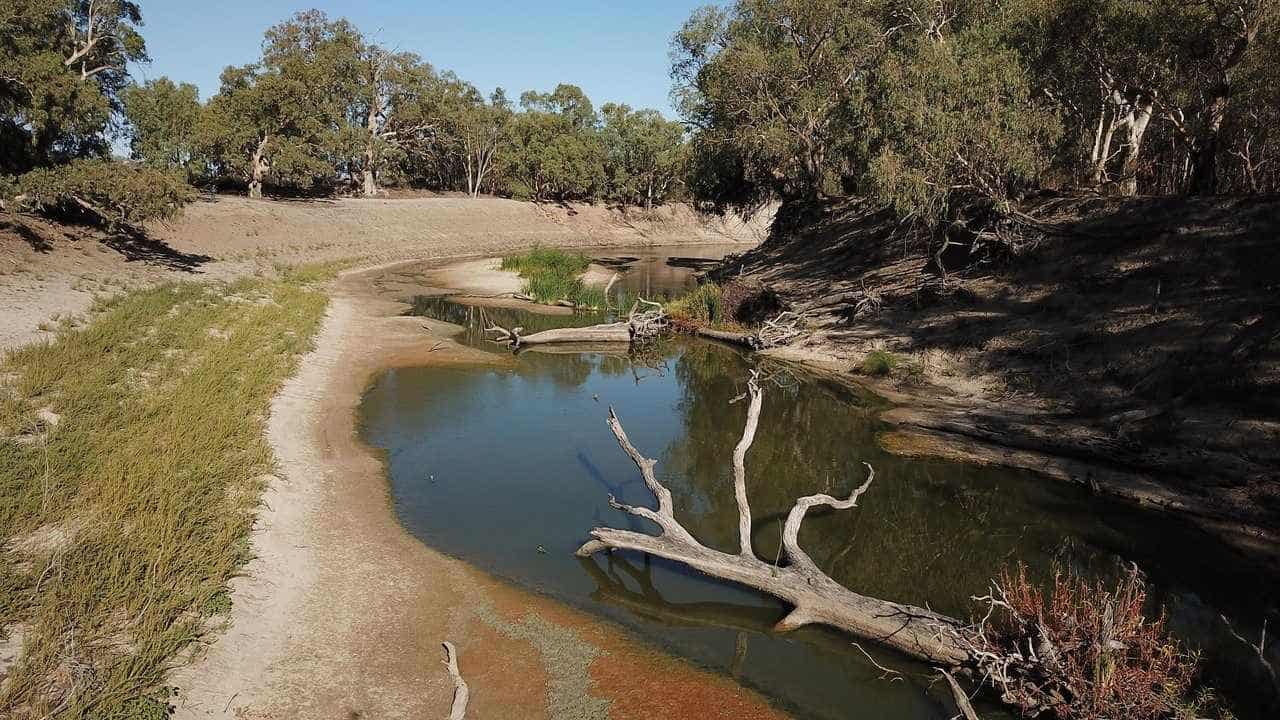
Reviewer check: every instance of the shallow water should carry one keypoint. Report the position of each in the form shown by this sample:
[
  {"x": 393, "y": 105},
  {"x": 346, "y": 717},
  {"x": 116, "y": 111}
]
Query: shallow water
[
  {"x": 510, "y": 469},
  {"x": 657, "y": 272}
]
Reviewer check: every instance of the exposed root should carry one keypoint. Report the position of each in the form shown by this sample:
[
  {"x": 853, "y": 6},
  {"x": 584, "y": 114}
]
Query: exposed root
[{"x": 781, "y": 330}]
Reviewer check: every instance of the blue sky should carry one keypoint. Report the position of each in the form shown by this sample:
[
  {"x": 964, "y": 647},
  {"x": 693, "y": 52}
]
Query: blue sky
[{"x": 616, "y": 51}]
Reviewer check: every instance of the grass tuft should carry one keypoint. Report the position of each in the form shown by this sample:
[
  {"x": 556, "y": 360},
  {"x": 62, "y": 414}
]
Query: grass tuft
[
  {"x": 552, "y": 275},
  {"x": 878, "y": 363},
  {"x": 698, "y": 307},
  {"x": 148, "y": 483}
]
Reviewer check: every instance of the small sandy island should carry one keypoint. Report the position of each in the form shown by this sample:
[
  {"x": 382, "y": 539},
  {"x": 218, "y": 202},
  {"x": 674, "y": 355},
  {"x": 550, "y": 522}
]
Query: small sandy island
[{"x": 486, "y": 279}]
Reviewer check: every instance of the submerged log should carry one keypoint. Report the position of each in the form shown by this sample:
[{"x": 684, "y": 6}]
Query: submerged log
[
  {"x": 815, "y": 598},
  {"x": 647, "y": 320},
  {"x": 610, "y": 333}
]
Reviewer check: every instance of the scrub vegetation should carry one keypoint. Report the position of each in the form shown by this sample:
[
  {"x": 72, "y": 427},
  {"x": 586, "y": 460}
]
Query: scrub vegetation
[
  {"x": 132, "y": 460},
  {"x": 553, "y": 275}
]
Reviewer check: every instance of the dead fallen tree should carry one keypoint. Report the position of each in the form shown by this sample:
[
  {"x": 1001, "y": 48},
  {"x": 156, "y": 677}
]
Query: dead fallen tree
[
  {"x": 815, "y": 597},
  {"x": 777, "y": 332},
  {"x": 647, "y": 320},
  {"x": 1057, "y": 654}
]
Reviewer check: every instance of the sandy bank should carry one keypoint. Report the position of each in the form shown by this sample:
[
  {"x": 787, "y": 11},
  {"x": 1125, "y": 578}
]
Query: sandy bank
[
  {"x": 342, "y": 612},
  {"x": 49, "y": 271}
]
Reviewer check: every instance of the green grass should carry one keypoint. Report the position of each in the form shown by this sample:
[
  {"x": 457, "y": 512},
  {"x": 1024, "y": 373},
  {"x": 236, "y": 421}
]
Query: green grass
[
  {"x": 698, "y": 307},
  {"x": 878, "y": 362},
  {"x": 153, "y": 473},
  {"x": 552, "y": 275},
  {"x": 539, "y": 260}
]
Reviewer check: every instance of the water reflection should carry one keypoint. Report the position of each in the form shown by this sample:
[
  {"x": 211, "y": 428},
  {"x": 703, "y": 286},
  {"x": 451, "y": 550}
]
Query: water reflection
[{"x": 491, "y": 464}]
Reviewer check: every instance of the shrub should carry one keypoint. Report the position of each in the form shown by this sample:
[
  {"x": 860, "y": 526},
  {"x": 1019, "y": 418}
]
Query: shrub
[
  {"x": 1102, "y": 657},
  {"x": 878, "y": 362},
  {"x": 115, "y": 195},
  {"x": 748, "y": 303},
  {"x": 700, "y": 306}
]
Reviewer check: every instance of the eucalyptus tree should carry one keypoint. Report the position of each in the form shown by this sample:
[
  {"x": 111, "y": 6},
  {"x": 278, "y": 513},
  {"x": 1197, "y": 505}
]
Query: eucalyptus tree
[
  {"x": 394, "y": 109},
  {"x": 555, "y": 151},
  {"x": 954, "y": 119},
  {"x": 477, "y": 131},
  {"x": 1123, "y": 68},
  {"x": 1250, "y": 145},
  {"x": 287, "y": 114},
  {"x": 1214, "y": 39},
  {"x": 63, "y": 64},
  {"x": 645, "y": 155},
  {"x": 164, "y": 123},
  {"x": 775, "y": 87}
]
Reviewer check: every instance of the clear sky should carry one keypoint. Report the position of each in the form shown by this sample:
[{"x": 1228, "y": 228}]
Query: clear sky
[{"x": 615, "y": 50}]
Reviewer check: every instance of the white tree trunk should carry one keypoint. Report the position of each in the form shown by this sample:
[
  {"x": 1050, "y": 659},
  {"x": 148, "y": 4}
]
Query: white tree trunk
[
  {"x": 370, "y": 171},
  {"x": 1137, "y": 126},
  {"x": 259, "y": 167}
]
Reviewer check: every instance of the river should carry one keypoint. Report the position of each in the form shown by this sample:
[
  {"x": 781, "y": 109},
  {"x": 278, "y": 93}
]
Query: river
[{"x": 510, "y": 468}]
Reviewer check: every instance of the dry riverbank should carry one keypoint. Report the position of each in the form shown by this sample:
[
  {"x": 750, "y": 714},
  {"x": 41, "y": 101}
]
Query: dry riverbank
[
  {"x": 342, "y": 612},
  {"x": 50, "y": 271},
  {"x": 1130, "y": 346}
]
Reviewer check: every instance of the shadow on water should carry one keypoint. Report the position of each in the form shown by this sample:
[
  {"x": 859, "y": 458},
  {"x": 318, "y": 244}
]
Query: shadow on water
[{"x": 492, "y": 465}]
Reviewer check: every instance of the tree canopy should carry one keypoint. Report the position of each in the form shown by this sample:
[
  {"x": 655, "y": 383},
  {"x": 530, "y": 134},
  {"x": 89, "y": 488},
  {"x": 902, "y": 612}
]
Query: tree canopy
[
  {"x": 921, "y": 102},
  {"x": 64, "y": 74},
  {"x": 923, "y": 105}
]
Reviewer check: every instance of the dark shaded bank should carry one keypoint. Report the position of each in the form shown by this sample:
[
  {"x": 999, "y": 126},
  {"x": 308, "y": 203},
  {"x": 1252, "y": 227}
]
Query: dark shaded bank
[{"x": 1132, "y": 346}]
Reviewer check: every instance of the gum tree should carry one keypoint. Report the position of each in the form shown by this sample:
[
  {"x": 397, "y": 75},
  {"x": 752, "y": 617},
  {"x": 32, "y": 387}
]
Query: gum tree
[
  {"x": 645, "y": 154},
  {"x": 164, "y": 121}
]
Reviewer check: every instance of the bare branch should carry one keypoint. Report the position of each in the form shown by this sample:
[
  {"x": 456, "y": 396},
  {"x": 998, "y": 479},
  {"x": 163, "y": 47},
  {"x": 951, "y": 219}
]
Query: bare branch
[{"x": 739, "y": 464}]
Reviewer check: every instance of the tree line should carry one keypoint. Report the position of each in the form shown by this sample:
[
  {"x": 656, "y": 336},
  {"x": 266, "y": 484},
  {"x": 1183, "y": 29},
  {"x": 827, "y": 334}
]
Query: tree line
[
  {"x": 927, "y": 104},
  {"x": 924, "y": 105},
  {"x": 325, "y": 109}
]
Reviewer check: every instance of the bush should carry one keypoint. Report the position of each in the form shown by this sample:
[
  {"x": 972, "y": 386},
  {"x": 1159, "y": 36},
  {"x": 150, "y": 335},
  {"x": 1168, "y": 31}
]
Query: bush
[
  {"x": 878, "y": 362},
  {"x": 113, "y": 194},
  {"x": 698, "y": 307},
  {"x": 1103, "y": 657},
  {"x": 748, "y": 303}
]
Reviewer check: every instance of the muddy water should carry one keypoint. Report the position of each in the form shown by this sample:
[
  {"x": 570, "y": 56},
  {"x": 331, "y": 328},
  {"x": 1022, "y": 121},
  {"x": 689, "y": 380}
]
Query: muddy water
[{"x": 509, "y": 469}]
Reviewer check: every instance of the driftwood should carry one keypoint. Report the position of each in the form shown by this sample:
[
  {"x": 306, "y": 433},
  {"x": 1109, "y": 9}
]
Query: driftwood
[
  {"x": 461, "y": 694},
  {"x": 774, "y": 333},
  {"x": 815, "y": 598},
  {"x": 647, "y": 320}
]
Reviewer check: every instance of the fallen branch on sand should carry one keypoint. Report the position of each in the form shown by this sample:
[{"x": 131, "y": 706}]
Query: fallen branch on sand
[
  {"x": 460, "y": 691},
  {"x": 647, "y": 320}
]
